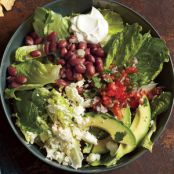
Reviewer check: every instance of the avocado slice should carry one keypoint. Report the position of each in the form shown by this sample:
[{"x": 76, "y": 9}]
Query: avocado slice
[
  {"x": 139, "y": 127},
  {"x": 118, "y": 132},
  {"x": 101, "y": 146},
  {"x": 126, "y": 119}
]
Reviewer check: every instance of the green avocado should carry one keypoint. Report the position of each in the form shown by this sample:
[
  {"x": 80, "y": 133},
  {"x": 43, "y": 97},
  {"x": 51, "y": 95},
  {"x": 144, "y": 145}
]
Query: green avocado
[
  {"x": 126, "y": 119},
  {"x": 139, "y": 127},
  {"x": 101, "y": 146},
  {"x": 118, "y": 132}
]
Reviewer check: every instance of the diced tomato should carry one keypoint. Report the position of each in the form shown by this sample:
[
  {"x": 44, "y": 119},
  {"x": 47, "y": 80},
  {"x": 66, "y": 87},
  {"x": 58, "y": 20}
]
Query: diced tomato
[
  {"x": 117, "y": 112},
  {"x": 112, "y": 86},
  {"x": 115, "y": 92},
  {"x": 133, "y": 103},
  {"x": 131, "y": 69},
  {"x": 106, "y": 101},
  {"x": 134, "y": 99},
  {"x": 127, "y": 81}
]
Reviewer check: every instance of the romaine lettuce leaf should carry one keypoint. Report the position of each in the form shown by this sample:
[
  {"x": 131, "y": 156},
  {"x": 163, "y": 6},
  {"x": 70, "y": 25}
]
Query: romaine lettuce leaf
[
  {"x": 126, "y": 45},
  {"x": 31, "y": 118},
  {"x": 150, "y": 58},
  {"x": 10, "y": 93},
  {"x": 114, "y": 20},
  {"x": 23, "y": 53},
  {"x": 40, "y": 17},
  {"x": 115, "y": 23},
  {"x": 37, "y": 72},
  {"x": 149, "y": 53},
  {"x": 146, "y": 142},
  {"x": 158, "y": 105},
  {"x": 46, "y": 21}
]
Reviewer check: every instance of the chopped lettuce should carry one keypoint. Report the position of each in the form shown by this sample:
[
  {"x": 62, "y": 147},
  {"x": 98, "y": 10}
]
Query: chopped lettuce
[
  {"x": 87, "y": 148},
  {"x": 59, "y": 108},
  {"x": 76, "y": 155},
  {"x": 23, "y": 53},
  {"x": 46, "y": 21},
  {"x": 73, "y": 95},
  {"x": 97, "y": 82}
]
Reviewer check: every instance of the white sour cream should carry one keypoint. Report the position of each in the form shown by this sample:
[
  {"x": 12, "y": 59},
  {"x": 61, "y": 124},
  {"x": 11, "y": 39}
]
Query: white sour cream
[{"x": 90, "y": 27}]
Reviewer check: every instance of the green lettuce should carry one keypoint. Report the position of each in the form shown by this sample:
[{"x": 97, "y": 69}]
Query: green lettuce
[
  {"x": 146, "y": 142},
  {"x": 76, "y": 155},
  {"x": 114, "y": 20},
  {"x": 23, "y": 53},
  {"x": 126, "y": 45},
  {"x": 150, "y": 58},
  {"x": 37, "y": 74},
  {"x": 10, "y": 92},
  {"x": 40, "y": 16},
  {"x": 59, "y": 108},
  {"x": 131, "y": 46},
  {"x": 115, "y": 24},
  {"x": 46, "y": 21},
  {"x": 31, "y": 118},
  {"x": 158, "y": 105}
]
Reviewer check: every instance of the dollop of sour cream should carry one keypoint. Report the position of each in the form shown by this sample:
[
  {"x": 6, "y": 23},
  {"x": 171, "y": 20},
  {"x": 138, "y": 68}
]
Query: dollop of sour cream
[{"x": 90, "y": 27}]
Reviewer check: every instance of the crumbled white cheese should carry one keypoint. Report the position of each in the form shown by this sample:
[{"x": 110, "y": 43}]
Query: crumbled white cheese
[
  {"x": 88, "y": 137},
  {"x": 95, "y": 100},
  {"x": 58, "y": 156},
  {"x": 93, "y": 157},
  {"x": 81, "y": 52},
  {"x": 101, "y": 108},
  {"x": 87, "y": 103},
  {"x": 64, "y": 134},
  {"x": 78, "y": 133},
  {"x": 67, "y": 161},
  {"x": 73, "y": 95},
  {"x": 79, "y": 110}
]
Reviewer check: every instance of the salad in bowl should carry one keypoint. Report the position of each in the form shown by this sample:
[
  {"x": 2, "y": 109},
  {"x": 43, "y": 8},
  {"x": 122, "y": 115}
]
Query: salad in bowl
[{"x": 83, "y": 87}]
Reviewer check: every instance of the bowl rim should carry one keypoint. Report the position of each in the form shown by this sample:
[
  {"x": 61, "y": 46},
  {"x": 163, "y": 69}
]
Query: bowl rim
[{"x": 28, "y": 146}]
